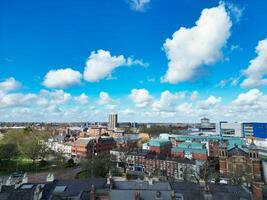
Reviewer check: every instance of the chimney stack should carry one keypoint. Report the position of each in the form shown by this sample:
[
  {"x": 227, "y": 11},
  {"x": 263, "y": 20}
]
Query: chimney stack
[
  {"x": 137, "y": 196},
  {"x": 25, "y": 178},
  {"x": 173, "y": 196},
  {"x": 158, "y": 194},
  {"x": 50, "y": 177}
]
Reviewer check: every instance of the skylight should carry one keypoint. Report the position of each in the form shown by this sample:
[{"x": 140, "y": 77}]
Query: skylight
[
  {"x": 59, "y": 189},
  {"x": 28, "y": 186}
]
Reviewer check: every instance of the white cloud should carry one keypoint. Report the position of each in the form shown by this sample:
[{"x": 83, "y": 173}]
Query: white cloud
[
  {"x": 139, "y": 5},
  {"x": 191, "y": 48},
  {"x": 16, "y": 99},
  {"x": 140, "y": 97},
  {"x": 56, "y": 97},
  {"x": 185, "y": 108},
  {"x": 233, "y": 81},
  {"x": 209, "y": 102},
  {"x": 258, "y": 67},
  {"x": 235, "y": 11},
  {"x": 10, "y": 84},
  {"x": 167, "y": 101},
  {"x": 128, "y": 112},
  {"x": 62, "y": 78},
  {"x": 194, "y": 95},
  {"x": 250, "y": 98},
  {"x": 104, "y": 99},
  {"x": 101, "y": 64},
  {"x": 82, "y": 99},
  {"x": 111, "y": 107}
]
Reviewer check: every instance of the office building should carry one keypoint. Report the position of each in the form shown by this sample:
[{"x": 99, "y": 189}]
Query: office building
[
  {"x": 255, "y": 129},
  {"x": 231, "y": 129},
  {"x": 112, "y": 121}
]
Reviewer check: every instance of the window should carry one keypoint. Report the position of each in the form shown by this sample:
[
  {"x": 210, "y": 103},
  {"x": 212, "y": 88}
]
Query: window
[
  {"x": 28, "y": 186},
  {"x": 59, "y": 189}
]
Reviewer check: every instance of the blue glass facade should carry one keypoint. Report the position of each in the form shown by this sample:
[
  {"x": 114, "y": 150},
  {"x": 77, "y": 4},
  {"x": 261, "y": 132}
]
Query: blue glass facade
[{"x": 255, "y": 129}]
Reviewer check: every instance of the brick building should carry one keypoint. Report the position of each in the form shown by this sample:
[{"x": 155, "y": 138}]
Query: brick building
[
  {"x": 190, "y": 150},
  {"x": 242, "y": 163},
  {"x": 160, "y": 146},
  {"x": 88, "y": 147},
  {"x": 159, "y": 165}
]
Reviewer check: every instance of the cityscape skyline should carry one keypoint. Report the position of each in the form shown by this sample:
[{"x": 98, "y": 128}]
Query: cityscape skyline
[{"x": 147, "y": 61}]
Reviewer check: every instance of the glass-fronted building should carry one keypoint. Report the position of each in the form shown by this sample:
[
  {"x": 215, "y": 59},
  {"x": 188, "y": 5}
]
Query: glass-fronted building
[{"x": 255, "y": 129}]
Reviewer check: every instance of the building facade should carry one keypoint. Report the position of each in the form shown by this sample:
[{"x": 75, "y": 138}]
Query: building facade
[
  {"x": 160, "y": 146},
  {"x": 231, "y": 129},
  {"x": 255, "y": 129},
  {"x": 190, "y": 150},
  {"x": 112, "y": 121},
  {"x": 89, "y": 147},
  {"x": 240, "y": 164}
]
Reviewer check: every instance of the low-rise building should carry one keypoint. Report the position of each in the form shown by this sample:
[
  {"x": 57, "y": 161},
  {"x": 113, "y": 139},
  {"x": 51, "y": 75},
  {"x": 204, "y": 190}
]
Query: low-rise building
[
  {"x": 145, "y": 162},
  {"x": 190, "y": 150},
  {"x": 89, "y": 147},
  {"x": 241, "y": 163},
  {"x": 160, "y": 146}
]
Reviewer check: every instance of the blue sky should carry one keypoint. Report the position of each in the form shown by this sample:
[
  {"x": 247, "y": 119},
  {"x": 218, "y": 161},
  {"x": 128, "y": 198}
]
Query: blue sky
[{"x": 79, "y": 60}]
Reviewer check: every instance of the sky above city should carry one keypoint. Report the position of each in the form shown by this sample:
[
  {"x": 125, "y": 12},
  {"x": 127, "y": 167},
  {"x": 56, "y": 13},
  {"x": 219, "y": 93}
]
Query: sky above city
[{"x": 147, "y": 60}]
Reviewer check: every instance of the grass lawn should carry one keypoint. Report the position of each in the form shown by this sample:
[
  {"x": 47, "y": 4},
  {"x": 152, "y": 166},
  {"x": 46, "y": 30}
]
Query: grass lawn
[{"x": 26, "y": 165}]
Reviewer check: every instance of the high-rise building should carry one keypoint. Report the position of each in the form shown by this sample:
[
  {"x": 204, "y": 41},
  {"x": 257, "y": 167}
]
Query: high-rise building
[{"x": 112, "y": 121}]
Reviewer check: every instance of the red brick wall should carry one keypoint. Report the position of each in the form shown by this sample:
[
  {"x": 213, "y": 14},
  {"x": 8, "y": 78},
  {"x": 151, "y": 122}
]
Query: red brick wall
[
  {"x": 214, "y": 149},
  {"x": 177, "y": 154},
  {"x": 256, "y": 192},
  {"x": 199, "y": 156},
  {"x": 222, "y": 163},
  {"x": 166, "y": 149},
  {"x": 155, "y": 149}
]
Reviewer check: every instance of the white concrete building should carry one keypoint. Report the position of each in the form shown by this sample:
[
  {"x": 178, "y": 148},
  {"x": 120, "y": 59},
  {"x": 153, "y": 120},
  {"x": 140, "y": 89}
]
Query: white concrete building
[{"x": 231, "y": 129}]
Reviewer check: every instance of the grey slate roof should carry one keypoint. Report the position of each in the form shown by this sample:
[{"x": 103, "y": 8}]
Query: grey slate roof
[
  {"x": 74, "y": 189},
  {"x": 144, "y": 194},
  {"x": 193, "y": 191},
  {"x": 141, "y": 185},
  {"x": 237, "y": 151}
]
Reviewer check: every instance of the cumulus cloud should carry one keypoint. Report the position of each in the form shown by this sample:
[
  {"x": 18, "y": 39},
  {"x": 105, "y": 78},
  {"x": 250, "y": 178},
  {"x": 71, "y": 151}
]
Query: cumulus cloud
[
  {"x": 55, "y": 97},
  {"x": 251, "y": 97},
  {"x": 10, "y": 84},
  {"x": 140, "y": 97},
  {"x": 191, "y": 48},
  {"x": 185, "y": 108},
  {"x": 167, "y": 101},
  {"x": 139, "y": 5},
  {"x": 258, "y": 67},
  {"x": 82, "y": 99},
  {"x": 16, "y": 99},
  {"x": 62, "y": 78},
  {"x": 128, "y": 112},
  {"x": 209, "y": 102},
  {"x": 104, "y": 99},
  {"x": 101, "y": 64}
]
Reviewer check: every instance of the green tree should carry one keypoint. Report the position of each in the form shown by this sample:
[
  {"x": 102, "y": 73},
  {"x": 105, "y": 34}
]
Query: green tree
[
  {"x": 9, "y": 151},
  {"x": 99, "y": 166},
  {"x": 32, "y": 148}
]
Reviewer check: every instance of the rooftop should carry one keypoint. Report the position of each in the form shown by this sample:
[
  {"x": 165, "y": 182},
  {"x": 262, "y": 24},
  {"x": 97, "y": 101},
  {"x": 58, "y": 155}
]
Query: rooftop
[{"x": 158, "y": 142}]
